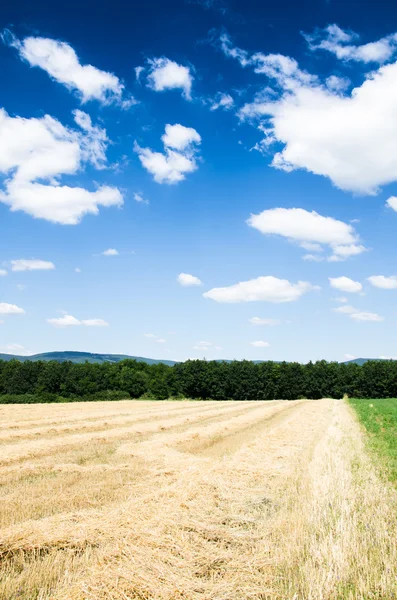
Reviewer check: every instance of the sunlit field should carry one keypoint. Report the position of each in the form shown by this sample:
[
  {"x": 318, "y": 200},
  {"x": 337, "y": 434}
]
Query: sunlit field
[{"x": 192, "y": 500}]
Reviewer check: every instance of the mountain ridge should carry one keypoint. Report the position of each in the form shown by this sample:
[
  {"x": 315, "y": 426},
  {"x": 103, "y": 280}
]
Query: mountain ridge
[
  {"x": 82, "y": 357},
  {"x": 99, "y": 358}
]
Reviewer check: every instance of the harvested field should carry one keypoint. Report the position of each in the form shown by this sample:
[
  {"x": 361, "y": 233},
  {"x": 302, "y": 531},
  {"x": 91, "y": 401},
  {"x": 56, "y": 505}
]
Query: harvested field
[{"x": 192, "y": 501}]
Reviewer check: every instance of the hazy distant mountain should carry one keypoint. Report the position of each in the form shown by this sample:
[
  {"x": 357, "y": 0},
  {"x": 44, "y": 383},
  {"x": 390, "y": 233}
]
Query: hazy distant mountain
[
  {"x": 82, "y": 357},
  {"x": 361, "y": 361}
]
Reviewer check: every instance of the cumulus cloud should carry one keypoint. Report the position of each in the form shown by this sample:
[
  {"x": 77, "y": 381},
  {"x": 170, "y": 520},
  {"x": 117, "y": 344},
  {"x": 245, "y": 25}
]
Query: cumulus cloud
[
  {"x": 259, "y": 321},
  {"x": 43, "y": 149},
  {"x": 95, "y": 323},
  {"x": 392, "y": 202},
  {"x": 386, "y": 283},
  {"x": 347, "y": 136},
  {"x": 262, "y": 289},
  {"x": 357, "y": 314},
  {"x": 65, "y": 321},
  {"x": 178, "y": 158},
  {"x": 179, "y": 137},
  {"x": 310, "y": 230},
  {"x": 23, "y": 264},
  {"x": 260, "y": 344},
  {"x": 70, "y": 321},
  {"x": 3, "y": 272},
  {"x": 345, "y": 284},
  {"x": 339, "y": 42},
  {"x": 10, "y": 309},
  {"x": 61, "y": 63},
  {"x": 165, "y": 74},
  {"x": 366, "y": 316},
  {"x": 110, "y": 252},
  {"x": 349, "y": 357},
  {"x": 346, "y": 309},
  {"x": 224, "y": 101},
  {"x": 186, "y": 280}
]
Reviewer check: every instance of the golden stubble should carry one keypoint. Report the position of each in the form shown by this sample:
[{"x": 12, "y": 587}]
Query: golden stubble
[{"x": 192, "y": 500}]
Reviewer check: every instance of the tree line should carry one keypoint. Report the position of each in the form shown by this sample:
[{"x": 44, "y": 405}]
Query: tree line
[{"x": 199, "y": 379}]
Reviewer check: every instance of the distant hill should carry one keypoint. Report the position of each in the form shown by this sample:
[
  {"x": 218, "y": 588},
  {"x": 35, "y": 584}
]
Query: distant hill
[
  {"x": 82, "y": 357},
  {"x": 362, "y": 361}
]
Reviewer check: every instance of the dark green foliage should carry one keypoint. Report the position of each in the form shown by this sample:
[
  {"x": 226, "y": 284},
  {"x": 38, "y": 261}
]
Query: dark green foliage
[{"x": 54, "y": 381}]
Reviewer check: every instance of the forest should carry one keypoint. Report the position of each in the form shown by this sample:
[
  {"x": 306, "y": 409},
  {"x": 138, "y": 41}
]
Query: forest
[{"x": 30, "y": 382}]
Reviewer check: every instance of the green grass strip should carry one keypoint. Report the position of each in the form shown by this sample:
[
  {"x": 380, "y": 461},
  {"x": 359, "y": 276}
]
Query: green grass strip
[{"x": 379, "y": 418}]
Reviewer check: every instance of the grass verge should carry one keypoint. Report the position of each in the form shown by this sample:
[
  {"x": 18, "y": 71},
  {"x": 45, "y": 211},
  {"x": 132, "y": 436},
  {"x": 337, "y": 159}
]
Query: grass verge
[{"x": 379, "y": 418}]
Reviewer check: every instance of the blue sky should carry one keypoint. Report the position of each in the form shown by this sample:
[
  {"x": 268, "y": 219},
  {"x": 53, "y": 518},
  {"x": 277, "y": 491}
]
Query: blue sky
[{"x": 237, "y": 159}]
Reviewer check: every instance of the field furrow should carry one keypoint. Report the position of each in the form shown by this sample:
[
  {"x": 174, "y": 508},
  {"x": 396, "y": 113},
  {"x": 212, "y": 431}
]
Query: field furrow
[{"x": 204, "y": 501}]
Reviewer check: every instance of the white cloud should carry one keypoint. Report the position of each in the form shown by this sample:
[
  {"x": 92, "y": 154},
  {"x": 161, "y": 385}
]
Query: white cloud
[
  {"x": 70, "y": 321},
  {"x": 224, "y": 101},
  {"x": 344, "y": 252},
  {"x": 313, "y": 257},
  {"x": 341, "y": 299},
  {"x": 138, "y": 197},
  {"x": 386, "y": 283},
  {"x": 262, "y": 289},
  {"x": 110, "y": 252},
  {"x": 366, "y": 316},
  {"x": 358, "y": 315},
  {"x": 172, "y": 165},
  {"x": 65, "y": 321},
  {"x": 206, "y": 347},
  {"x": 59, "y": 204},
  {"x": 347, "y": 136},
  {"x": 23, "y": 264},
  {"x": 95, "y": 323},
  {"x": 232, "y": 51},
  {"x": 138, "y": 71},
  {"x": 345, "y": 284},
  {"x": 43, "y": 149},
  {"x": 61, "y": 63},
  {"x": 10, "y": 309},
  {"x": 149, "y": 335},
  {"x": 310, "y": 230},
  {"x": 180, "y": 137},
  {"x": 203, "y": 344},
  {"x": 165, "y": 74},
  {"x": 21, "y": 287},
  {"x": 161, "y": 341},
  {"x": 260, "y": 344},
  {"x": 93, "y": 142},
  {"x": 392, "y": 202},
  {"x": 77, "y": 270},
  {"x": 337, "y": 41},
  {"x": 185, "y": 279},
  {"x": 3, "y": 272},
  {"x": 259, "y": 321},
  {"x": 337, "y": 84},
  {"x": 349, "y": 357},
  {"x": 346, "y": 309}
]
